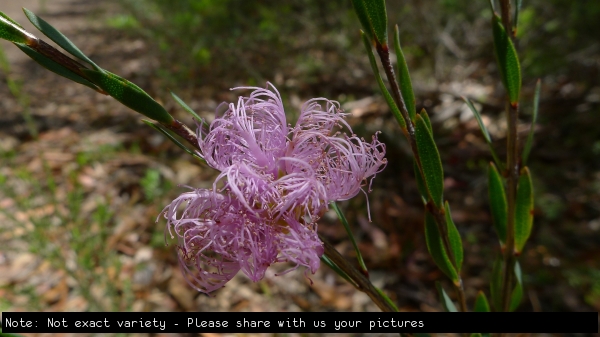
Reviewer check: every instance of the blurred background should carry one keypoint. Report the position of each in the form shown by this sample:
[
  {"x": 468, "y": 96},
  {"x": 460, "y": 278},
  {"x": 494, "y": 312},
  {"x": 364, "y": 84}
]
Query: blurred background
[{"x": 82, "y": 179}]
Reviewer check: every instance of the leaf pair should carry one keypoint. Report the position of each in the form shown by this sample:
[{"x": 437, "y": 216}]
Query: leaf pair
[
  {"x": 449, "y": 262},
  {"x": 496, "y": 286},
  {"x": 524, "y": 207},
  {"x": 373, "y": 17},
  {"x": 508, "y": 61}
]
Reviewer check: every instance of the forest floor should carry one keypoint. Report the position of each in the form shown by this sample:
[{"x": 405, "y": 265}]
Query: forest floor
[{"x": 83, "y": 181}]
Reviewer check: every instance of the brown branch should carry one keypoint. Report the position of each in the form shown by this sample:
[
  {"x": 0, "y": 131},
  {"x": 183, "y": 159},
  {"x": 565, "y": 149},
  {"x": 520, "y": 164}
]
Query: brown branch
[{"x": 184, "y": 132}]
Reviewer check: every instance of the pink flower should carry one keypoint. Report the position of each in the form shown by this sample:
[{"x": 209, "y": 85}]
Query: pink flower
[{"x": 275, "y": 183}]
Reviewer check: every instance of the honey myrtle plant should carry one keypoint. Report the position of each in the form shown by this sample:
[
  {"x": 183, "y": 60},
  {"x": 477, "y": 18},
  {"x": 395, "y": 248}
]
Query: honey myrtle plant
[
  {"x": 512, "y": 207},
  {"x": 276, "y": 180}
]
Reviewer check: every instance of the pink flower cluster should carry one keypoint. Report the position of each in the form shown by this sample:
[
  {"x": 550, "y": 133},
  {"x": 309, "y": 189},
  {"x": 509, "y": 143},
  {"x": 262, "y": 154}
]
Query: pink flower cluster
[{"x": 275, "y": 182}]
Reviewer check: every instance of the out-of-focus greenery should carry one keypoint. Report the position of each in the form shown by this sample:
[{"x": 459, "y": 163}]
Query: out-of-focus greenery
[
  {"x": 561, "y": 36},
  {"x": 314, "y": 42},
  {"x": 203, "y": 40}
]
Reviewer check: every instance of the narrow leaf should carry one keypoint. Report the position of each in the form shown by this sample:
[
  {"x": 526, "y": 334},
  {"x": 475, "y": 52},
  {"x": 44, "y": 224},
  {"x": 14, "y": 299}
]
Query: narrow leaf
[
  {"x": 508, "y": 61},
  {"x": 169, "y": 134},
  {"x": 435, "y": 246},
  {"x": 425, "y": 116},
  {"x": 536, "y": 107},
  {"x": 420, "y": 183},
  {"x": 382, "y": 87},
  {"x": 496, "y": 284},
  {"x": 481, "y": 303},
  {"x": 188, "y": 109},
  {"x": 445, "y": 299},
  {"x": 517, "y": 293},
  {"x": 13, "y": 32},
  {"x": 404, "y": 81},
  {"x": 516, "y": 20},
  {"x": 54, "y": 67},
  {"x": 129, "y": 95},
  {"x": 498, "y": 203},
  {"x": 484, "y": 131},
  {"x": 454, "y": 238},
  {"x": 373, "y": 17},
  {"x": 430, "y": 160},
  {"x": 344, "y": 222},
  {"x": 524, "y": 210},
  {"x": 2, "y": 14},
  {"x": 56, "y": 36},
  {"x": 477, "y": 115}
]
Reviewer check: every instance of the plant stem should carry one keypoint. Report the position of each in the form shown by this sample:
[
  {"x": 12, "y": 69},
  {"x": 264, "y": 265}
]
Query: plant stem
[
  {"x": 512, "y": 166},
  {"x": 512, "y": 178},
  {"x": 361, "y": 282},
  {"x": 184, "y": 132},
  {"x": 505, "y": 8},
  {"x": 438, "y": 214},
  {"x": 384, "y": 56}
]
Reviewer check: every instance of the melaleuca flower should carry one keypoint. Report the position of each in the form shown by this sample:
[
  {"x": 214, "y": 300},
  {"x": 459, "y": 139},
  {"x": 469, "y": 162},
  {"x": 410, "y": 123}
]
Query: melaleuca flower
[{"x": 275, "y": 182}]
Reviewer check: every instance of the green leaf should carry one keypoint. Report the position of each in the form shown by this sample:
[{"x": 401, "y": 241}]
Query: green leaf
[
  {"x": 481, "y": 303},
  {"x": 454, "y": 238},
  {"x": 430, "y": 160},
  {"x": 382, "y": 87},
  {"x": 420, "y": 183},
  {"x": 373, "y": 18},
  {"x": 158, "y": 127},
  {"x": 484, "y": 131},
  {"x": 496, "y": 284},
  {"x": 516, "y": 20},
  {"x": 188, "y": 109},
  {"x": 54, "y": 67},
  {"x": 13, "y": 32},
  {"x": 2, "y": 14},
  {"x": 524, "y": 210},
  {"x": 536, "y": 106},
  {"x": 498, "y": 203},
  {"x": 476, "y": 335},
  {"x": 477, "y": 115},
  {"x": 435, "y": 246},
  {"x": 445, "y": 299},
  {"x": 425, "y": 116},
  {"x": 344, "y": 222},
  {"x": 406, "y": 88},
  {"x": 56, "y": 36},
  {"x": 508, "y": 61},
  {"x": 517, "y": 293},
  {"x": 129, "y": 94}
]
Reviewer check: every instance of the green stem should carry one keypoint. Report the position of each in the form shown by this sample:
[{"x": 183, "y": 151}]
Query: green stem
[
  {"x": 360, "y": 281},
  {"x": 344, "y": 221}
]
